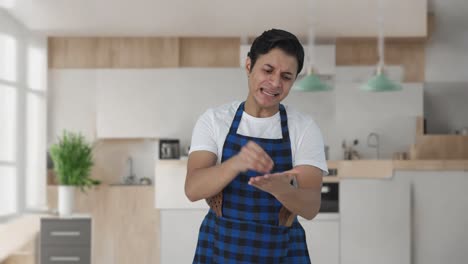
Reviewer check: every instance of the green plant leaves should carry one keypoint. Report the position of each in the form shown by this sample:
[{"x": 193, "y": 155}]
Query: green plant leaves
[{"x": 73, "y": 160}]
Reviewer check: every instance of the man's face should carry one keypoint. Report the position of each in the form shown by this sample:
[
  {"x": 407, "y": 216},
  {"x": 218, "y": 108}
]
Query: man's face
[{"x": 271, "y": 78}]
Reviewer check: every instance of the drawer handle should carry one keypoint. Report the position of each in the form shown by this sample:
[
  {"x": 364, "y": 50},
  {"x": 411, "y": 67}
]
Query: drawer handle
[
  {"x": 64, "y": 258},
  {"x": 65, "y": 233}
]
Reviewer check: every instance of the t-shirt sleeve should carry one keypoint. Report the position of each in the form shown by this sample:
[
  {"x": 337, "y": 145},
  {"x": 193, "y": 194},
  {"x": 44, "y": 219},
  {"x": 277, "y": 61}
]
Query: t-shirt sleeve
[
  {"x": 203, "y": 136},
  {"x": 310, "y": 148}
]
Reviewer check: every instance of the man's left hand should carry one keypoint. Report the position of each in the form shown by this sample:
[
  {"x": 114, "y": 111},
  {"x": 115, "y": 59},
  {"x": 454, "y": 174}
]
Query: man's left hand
[{"x": 275, "y": 183}]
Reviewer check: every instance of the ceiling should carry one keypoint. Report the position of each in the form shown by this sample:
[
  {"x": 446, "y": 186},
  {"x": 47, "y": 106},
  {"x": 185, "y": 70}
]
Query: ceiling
[{"x": 239, "y": 18}]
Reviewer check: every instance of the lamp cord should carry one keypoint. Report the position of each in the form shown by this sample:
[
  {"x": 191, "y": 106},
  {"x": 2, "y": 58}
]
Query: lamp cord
[
  {"x": 380, "y": 22},
  {"x": 311, "y": 36}
]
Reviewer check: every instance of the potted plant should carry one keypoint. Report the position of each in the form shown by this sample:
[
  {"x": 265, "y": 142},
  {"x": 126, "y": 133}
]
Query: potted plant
[{"x": 73, "y": 160}]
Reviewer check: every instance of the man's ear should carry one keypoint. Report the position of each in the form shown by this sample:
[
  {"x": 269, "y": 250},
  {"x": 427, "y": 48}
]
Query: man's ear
[{"x": 248, "y": 64}]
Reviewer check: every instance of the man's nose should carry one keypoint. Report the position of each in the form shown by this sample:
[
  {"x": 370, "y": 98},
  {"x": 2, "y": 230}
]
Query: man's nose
[{"x": 275, "y": 80}]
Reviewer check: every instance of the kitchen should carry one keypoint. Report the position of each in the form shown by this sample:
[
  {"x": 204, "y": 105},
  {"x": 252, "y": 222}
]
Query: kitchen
[{"x": 91, "y": 84}]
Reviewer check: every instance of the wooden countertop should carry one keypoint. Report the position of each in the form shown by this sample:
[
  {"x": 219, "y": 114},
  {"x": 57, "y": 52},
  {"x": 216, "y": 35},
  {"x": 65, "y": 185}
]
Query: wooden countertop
[
  {"x": 373, "y": 168},
  {"x": 386, "y": 168},
  {"x": 16, "y": 233}
]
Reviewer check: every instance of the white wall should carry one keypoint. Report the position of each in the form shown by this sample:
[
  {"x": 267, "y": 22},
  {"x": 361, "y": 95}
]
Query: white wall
[
  {"x": 446, "y": 68},
  {"x": 446, "y": 52},
  {"x": 345, "y": 113},
  {"x": 445, "y": 107}
]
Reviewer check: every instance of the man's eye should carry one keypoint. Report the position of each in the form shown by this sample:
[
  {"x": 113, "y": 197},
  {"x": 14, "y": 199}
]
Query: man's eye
[
  {"x": 268, "y": 70},
  {"x": 287, "y": 78}
]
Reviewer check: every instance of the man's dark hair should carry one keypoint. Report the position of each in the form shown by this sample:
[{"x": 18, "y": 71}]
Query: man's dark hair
[{"x": 277, "y": 38}]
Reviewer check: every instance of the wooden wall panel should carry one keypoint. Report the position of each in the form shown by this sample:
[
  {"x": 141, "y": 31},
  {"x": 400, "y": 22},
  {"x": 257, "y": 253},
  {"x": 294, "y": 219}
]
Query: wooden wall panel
[
  {"x": 444, "y": 147},
  {"x": 73, "y": 52},
  {"x": 115, "y": 52},
  {"x": 410, "y": 53},
  {"x": 438, "y": 147},
  {"x": 209, "y": 52},
  {"x": 145, "y": 52}
]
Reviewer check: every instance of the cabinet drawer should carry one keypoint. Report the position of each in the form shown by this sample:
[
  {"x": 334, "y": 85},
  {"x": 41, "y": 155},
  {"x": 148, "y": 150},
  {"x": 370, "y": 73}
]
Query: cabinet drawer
[
  {"x": 65, "y": 232},
  {"x": 65, "y": 255}
]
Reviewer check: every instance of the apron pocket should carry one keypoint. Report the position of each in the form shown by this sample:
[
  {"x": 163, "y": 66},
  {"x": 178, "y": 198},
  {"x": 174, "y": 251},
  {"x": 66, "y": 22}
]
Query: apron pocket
[{"x": 238, "y": 241}]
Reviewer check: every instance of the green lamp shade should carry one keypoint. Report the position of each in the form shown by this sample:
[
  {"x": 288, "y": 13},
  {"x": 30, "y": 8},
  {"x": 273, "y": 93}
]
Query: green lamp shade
[
  {"x": 311, "y": 83},
  {"x": 380, "y": 83}
]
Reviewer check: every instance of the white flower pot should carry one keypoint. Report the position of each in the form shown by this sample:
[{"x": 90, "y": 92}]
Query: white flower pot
[{"x": 66, "y": 200}]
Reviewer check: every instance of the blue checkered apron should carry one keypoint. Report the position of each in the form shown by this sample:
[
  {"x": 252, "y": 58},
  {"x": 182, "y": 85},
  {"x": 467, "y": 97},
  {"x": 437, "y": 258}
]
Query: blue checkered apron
[{"x": 248, "y": 230}]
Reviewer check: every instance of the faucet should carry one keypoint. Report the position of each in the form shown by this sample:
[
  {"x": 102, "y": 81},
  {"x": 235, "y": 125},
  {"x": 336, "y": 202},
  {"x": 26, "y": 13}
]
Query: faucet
[
  {"x": 130, "y": 179},
  {"x": 374, "y": 137}
]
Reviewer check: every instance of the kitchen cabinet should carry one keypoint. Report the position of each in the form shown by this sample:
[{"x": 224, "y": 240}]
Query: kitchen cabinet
[
  {"x": 179, "y": 234},
  {"x": 375, "y": 222},
  {"x": 169, "y": 186},
  {"x": 323, "y": 238},
  {"x": 161, "y": 102},
  {"x": 65, "y": 240},
  {"x": 181, "y": 220}
]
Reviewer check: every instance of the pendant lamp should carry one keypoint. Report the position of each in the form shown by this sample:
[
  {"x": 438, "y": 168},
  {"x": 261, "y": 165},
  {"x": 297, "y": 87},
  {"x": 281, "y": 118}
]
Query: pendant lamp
[
  {"x": 380, "y": 82},
  {"x": 311, "y": 82}
]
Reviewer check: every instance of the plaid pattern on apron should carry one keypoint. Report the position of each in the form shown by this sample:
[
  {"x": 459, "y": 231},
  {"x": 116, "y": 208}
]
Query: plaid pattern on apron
[{"x": 248, "y": 231}]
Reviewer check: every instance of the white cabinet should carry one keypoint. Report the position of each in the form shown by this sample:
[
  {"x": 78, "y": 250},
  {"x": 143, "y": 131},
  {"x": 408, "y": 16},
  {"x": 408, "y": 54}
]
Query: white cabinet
[
  {"x": 162, "y": 102},
  {"x": 375, "y": 221},
  {"x": 179, "y": 234},
  {"x": 323, "y": 238},
  {"x": 126, "y": 106},
  {"x": 169, "y": 186}
]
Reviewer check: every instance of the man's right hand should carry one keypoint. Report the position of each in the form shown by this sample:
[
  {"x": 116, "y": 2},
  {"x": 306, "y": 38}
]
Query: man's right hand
[{"x": 253, "y": 157}]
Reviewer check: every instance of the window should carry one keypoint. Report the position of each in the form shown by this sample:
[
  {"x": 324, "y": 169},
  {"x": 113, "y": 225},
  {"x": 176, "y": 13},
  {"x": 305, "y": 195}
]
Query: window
[
  {"x": 8, "y": 126},
  {"x": 23, "y": 93},
  {"x": 8, "y": 54}
]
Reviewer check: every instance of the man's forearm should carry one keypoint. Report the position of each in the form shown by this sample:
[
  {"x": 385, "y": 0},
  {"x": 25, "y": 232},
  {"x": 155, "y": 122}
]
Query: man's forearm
[
  {"x": 304, "y": 202},
  {"x": 206, "y": 182}
]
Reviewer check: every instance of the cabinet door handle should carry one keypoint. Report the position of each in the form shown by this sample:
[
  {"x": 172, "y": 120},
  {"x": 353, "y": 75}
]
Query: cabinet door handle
[
  {"x": 65, "y": 233},
  {"x": 64, "y": 258}
]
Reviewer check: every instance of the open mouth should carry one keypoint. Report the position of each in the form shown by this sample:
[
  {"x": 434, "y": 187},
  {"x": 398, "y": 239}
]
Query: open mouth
[{"x": 268, "y": 93}]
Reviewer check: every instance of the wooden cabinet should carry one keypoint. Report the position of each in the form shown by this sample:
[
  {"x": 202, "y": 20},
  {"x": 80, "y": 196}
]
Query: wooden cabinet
[
  {"x": 124, "y": 223},
  {"x": 65, "y": 240},
  {"x": 142, "y": 52}
]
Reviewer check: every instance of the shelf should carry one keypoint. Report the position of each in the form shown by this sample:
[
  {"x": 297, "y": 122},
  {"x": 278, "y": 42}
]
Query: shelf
[{"x": 329, "y": 179}]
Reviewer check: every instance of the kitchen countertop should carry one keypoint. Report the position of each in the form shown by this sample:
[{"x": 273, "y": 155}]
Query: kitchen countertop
[
  {"x": 386, "y": 168},
  {"x": 370, "y": 168},
  {"x": 322, "y": 217}
]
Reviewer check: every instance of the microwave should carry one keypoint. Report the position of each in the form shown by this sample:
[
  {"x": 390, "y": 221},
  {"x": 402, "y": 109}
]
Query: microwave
[{"x": 169, "y": 149}]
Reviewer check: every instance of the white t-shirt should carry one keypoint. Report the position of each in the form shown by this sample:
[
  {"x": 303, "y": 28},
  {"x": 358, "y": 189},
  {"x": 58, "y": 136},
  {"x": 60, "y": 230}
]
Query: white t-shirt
[{"x": 307, "y": 146}]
